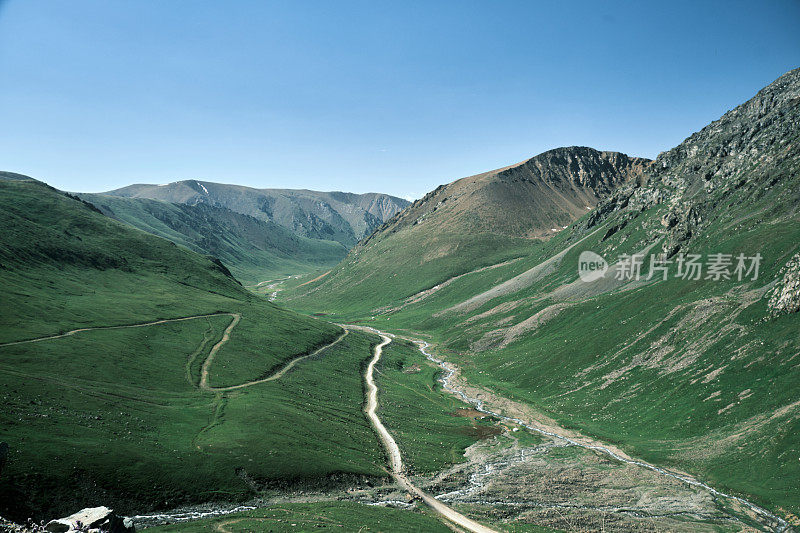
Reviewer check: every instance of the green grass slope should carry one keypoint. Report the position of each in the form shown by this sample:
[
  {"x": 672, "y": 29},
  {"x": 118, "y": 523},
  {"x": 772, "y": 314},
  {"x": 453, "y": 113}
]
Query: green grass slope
[
  {"x": 698, "y": 375},
  {"x": 431, "y": 426},
  {"x": 324, "y": 516},
  {"x": 254, "y": 250},
  {"x": 115, "y": 415}
]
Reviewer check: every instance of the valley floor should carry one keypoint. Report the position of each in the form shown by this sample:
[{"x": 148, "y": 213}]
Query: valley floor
[
  {"x": 515, "y": 470},
  {"x": 531, "y": 475}
]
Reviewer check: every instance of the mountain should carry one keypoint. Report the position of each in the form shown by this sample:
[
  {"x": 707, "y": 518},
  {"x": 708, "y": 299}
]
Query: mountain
[
  {"x": 697, "y": 373},
  {"x": 46, "y": 229},
  {"x": 477, "y": 221},
  {"x": 336, "y": 216},
  {"x": 530, "y": 199},
  {"x": 114, "y": 346},
  {"x": 254, "y": 250}
]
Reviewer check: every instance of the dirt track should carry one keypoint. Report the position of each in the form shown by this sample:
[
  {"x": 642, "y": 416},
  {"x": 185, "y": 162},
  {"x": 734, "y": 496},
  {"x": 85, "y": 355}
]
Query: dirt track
[
  {"x": 396, "y": 460},
  {"x": 277, "y": 375},
  {"x": 139, "y": 325},
  {"x": 206, "y": 369}
]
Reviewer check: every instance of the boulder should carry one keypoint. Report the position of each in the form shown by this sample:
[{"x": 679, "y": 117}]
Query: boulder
[
  {"x": 785, "y": 297},
  {"x": 92, "y": 519}
]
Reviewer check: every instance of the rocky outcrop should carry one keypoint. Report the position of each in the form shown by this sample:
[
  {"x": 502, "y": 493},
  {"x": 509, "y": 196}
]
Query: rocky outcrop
[
  {"x": 785, "y": 297},
  {"x": 582, "y": 167},
  {"x": 746, "y": 154},
  {"x": 90, "y": 520}
]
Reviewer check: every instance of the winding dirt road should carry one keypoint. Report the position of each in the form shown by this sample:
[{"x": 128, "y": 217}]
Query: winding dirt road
[
  {"x": 396, "y": 460},
  {"x": 206, "y": 368},
  {"x": 277, "y": 375},
  {"x": 214, "y": 349}
]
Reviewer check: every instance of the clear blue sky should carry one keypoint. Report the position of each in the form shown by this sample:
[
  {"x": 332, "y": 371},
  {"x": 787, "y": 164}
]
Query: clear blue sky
[{"x": 394, "y": 97}]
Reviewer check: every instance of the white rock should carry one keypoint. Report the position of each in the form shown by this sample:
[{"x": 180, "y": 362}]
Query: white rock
[{"x": 89, "y": 517}]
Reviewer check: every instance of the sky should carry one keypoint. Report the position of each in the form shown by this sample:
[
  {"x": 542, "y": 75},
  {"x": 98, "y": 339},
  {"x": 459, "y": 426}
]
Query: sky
[{"x": 360, "y": 96}]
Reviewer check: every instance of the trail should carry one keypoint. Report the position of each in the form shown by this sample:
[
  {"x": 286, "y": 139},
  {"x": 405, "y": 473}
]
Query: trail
[
  {"x": 206, "y": 369},
  {"x": 422, "y": 295},
  {"x": 315, "y": 279},
  {"x": 517, "y": 283},
  {"x": 139, "y": 325},
  {"x": 396, "y": 460},
  {"x": 214, "y": 349},
  {"x": 277, "y": 375}
]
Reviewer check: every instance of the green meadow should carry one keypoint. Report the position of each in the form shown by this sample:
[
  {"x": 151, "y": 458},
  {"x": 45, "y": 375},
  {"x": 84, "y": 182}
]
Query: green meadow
[
  {"x": 323, "y": 516},
  {"x": 115, "y": 415}
]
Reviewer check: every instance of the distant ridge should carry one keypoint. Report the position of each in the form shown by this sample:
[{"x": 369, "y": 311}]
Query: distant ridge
[
  {"x": 335, "y": 216},
  {"x": 254, "y": 250}
]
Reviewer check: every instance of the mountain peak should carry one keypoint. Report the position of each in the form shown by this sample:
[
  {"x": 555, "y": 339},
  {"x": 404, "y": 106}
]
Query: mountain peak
[{"x": 534, "y": 198}]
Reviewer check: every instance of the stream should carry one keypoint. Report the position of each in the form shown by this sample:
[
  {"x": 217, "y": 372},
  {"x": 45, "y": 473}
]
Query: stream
[{"x": 769, "y": 520}]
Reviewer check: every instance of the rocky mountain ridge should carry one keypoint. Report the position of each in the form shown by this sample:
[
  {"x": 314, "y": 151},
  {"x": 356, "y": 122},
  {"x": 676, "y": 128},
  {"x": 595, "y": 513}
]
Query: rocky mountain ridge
[
  {"x": 747, "y": 151},
  {"x": 535, "y": 198}
]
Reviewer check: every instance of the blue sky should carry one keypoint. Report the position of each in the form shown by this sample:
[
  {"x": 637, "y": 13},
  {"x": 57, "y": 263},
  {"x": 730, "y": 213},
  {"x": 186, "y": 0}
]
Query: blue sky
[{"x": 393, "y": 97}]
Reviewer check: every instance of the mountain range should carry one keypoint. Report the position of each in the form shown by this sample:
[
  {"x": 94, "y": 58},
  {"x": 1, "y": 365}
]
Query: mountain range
[
  {"x": 254, "y": 250},
  {"x": 137, "y": 370},
  {"x": 337, "y": 216},
  {"x": 260, "y": 234}
]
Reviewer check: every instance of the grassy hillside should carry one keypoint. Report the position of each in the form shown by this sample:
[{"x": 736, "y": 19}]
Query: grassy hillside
[
  {"x": 254, "y": 250},
  {"x": 336, "y": 216},
  {"x": 699, "y": 375},
  {"x": 115, "y": 415},
  {"x": 431, "y": 427}
]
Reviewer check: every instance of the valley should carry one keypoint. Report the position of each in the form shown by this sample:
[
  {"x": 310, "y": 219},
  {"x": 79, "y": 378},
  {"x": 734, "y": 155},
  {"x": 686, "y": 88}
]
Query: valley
[
  {"x": 692, "y": 375},
  {"x": 203, "y": 356}
]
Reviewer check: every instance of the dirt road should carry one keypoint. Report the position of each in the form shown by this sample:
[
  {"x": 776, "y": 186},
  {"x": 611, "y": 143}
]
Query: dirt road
[
  {"x": 277, "y": 375},
  {"x": 206, "y": 369},
  {"x": 396, "y": 460},
  {"x": 139, "y": 325}
]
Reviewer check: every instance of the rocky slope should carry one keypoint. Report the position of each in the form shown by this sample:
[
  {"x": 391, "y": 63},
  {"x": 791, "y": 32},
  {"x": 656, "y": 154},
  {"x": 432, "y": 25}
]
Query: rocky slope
[
  {"x": 785, "y": 298},
  {"x": 336, "y": 216},
  {"x": 534, "y": 198},
  {"x": 747, "y": 152}
]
